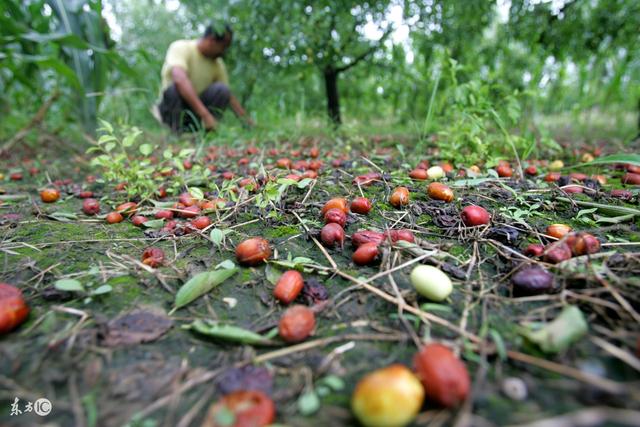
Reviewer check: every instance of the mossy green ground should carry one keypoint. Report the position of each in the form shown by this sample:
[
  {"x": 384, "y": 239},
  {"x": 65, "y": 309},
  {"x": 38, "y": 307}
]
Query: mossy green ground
[{"x": 58, "y": 352}]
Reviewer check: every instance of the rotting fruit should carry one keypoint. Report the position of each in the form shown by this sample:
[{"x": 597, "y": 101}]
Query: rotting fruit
[
  {"x": 253, "y": 251},
  {"x": 127, "y": 208},
  {"x": 367, "y": 179},
  {"x": 164, "y": 214},
  {"x": 296, "y": 324},
  {"x": 90, "y": 206},
  {"x": 534, "y": 250},
  {"x": 190, "y": 211},
  {"x": 366, "y": 236},
  {"x": 557, "y": 253},
  {"x": 13, "y": 308},
  {"x": 289, "y": 286},
  {"x": 532, "y": 281},
  {"x": 395, "y": 235},
  {"x": 331, "y": 234},
  {"x": 399, "y": 197},
  {"x": 335, "y": 203},
  {"x": 387, "y": 397},
  {"x": 445, "y": 377},
  {"x": 243, "y": 408},
  {"x": 138, "y": 220},
  {"x": 335, "y": 215},
  {"x": 583, "y": 243},
  {"x": 153, "y": 257}
]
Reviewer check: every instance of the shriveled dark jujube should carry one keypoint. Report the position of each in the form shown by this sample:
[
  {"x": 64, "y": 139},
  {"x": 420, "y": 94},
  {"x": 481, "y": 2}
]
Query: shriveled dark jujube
[{"x": 532, "y": 281}]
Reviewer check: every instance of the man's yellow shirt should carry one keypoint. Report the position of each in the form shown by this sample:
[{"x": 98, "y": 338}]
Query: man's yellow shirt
[{"x": 201, "y": 70}]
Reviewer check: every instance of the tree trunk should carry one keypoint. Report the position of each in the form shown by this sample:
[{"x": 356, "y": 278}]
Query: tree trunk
[{"x": 333, "y": 100}]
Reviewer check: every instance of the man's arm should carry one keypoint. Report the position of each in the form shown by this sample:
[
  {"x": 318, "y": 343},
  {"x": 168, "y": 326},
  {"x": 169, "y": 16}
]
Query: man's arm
[
  {"x": 238, "y": 110},
  {"x": 186, "y": 90}
]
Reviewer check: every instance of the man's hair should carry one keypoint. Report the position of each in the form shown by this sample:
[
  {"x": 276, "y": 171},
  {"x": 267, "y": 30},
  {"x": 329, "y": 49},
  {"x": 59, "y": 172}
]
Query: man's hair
[{"x": 218, "y": 30}]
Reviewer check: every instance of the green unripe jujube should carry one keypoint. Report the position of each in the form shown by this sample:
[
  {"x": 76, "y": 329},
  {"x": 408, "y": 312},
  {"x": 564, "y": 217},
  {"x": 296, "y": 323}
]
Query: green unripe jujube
[{"x": 431, "y": 282}]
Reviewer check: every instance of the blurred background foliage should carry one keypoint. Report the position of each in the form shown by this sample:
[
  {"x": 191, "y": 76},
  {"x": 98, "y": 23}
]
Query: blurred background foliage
[{"x": 453, "y": 70}]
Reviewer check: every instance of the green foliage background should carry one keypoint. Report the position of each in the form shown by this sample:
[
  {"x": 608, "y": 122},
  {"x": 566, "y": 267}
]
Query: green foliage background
[{"x": 531, "y": 63}]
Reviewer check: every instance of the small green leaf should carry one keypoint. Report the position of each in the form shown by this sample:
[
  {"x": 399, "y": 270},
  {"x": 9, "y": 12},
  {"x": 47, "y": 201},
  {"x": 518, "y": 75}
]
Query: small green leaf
[
  {"x": 308, "y": 403},
  {"x": 226, "y": 332},
  {"x": 225, "y": 417},
  {"x": 227, "y": 263},
  {"x": 334, "y": 382},
  {"x": 431, "y": 306},
  {"x": 186, "y": 152},
  {"x": 200, "y": 284},
  {"x": 129, "y": 139},
  {"x": 106, "y": 138},
  {"x": 559, "y": 334},
  {"x": 586, "y": 212},
  {"x": 272, "y": 274},
  {"x": 285, "y": 181},
  {"x": 216, "y": 236},
  {"x": 304, "y": 183},
  {"x": 106, "y": 125},
  {"x": 499, "y": 342},
  {"x": 63, "y": 216},
  {"x": 69, "y": 285},
  {"x": 154, "y": 223},
  {"x": 196, "y": 193},
  {"x": 146, "y": 149},
  {"x": 104, "y": 289},
  {"x": 167, "y": 154}
]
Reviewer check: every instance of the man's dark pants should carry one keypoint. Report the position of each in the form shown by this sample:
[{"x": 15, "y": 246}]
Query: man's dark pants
[{"x": 179, "y": 116}]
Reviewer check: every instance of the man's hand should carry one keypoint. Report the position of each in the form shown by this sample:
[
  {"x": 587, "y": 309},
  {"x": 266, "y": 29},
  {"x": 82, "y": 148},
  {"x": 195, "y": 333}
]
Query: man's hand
[
  {"x": 209, "y": 122},
  {"x": 239, "y": 111}
]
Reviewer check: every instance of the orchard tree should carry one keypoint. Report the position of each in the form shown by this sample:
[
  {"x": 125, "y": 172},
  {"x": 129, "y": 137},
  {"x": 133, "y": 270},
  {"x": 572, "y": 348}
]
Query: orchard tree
[
  {"x": 600, "y": 38},
  {"x": 324, "y": 35}
]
